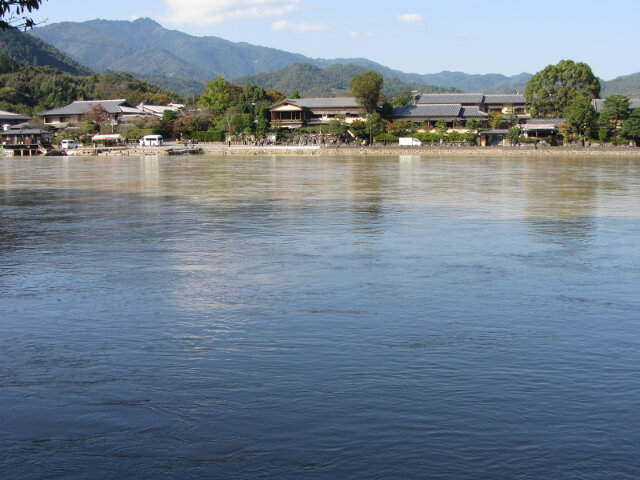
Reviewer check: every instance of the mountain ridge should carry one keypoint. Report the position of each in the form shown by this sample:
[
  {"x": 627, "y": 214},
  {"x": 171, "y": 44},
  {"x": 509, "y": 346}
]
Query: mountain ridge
[{"x": 179, "y": 55}]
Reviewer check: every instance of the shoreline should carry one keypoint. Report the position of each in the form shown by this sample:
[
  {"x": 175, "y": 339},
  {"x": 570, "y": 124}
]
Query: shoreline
[{"x": 426, "y": 151}]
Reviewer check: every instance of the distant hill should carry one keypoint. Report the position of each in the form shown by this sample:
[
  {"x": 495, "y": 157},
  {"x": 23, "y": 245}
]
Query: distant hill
[
  {"x": 24, "y": 48},
  {"x": 312, "y": 81},
  {"x": 176, "y": 60},
  {"x": 628, "y": 85}
]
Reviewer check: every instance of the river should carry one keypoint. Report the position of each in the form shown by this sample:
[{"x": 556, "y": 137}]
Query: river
[{"x": 229, "y": 317}]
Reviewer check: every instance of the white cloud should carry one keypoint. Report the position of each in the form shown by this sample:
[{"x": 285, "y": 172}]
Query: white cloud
[
  {"x": 304, "y": 27},
  {"x": 413, "y": 18},
  {"x": 214, "y": 12}
]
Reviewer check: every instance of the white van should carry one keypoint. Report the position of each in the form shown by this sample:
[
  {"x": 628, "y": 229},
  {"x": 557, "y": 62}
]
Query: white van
[
  {"x": 151, "y": 141},
  {"x": 68, "y": 144},
  {"x": 409, "y": 141}
]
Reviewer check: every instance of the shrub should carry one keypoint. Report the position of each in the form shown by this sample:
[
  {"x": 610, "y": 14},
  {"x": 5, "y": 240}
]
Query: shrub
[{"x": 208, "y": 136}]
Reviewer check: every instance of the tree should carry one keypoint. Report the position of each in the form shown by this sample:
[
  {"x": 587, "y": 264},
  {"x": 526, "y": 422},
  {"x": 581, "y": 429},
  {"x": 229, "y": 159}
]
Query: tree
[
  {"x": 614, "y": 109},
  {"x": 514, "y": 134},
  {"x": 631, "y": 127},
  {"x": 550, "y": 91},
  {"x": 441, "y": 127},
  {"x": 473, "y": 124},
  {"x": 376, "y": 124},
  {"x": 359, "y": 128},
  {"x": 337, "y": 126},
  {"x": 401, "y": 99},
  {"x": 12, "y": 13},
  {"x": 580, "y": 114},
  {"x": 366, "y": 89},
  {"x": 495, "y": 119},
  {"x": 219, "y": 95},
  {"x": 97, "y": 114},
  {"x": 295, "y": 95},
  {"x": 263, "y": 121}
]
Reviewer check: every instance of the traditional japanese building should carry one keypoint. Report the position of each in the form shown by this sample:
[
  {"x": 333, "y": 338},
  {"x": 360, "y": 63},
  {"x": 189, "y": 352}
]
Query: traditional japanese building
[
  {"x": 454, "y": 115},
  {"x": 295, "y": 113},
  {"x": 24, "y": 141},
  {"x": 79, "y": 111}
]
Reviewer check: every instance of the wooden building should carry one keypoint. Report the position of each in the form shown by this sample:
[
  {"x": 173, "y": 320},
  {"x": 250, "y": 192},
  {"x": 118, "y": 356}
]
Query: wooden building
[
  {"x": 296, "y": 113},
  {"x": 25, "y": 141}
]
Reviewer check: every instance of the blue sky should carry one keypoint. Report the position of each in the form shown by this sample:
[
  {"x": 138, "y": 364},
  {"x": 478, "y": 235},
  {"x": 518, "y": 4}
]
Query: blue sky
[{"x": 491, "y": 36}]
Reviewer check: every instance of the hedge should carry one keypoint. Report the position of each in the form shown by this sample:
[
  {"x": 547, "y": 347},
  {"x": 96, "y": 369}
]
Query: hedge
[{"x": 207, "y": 136}]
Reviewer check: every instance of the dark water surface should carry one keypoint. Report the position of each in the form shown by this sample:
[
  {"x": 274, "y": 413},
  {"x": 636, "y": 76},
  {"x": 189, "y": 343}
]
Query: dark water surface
[{"x": 329, "y": 318}]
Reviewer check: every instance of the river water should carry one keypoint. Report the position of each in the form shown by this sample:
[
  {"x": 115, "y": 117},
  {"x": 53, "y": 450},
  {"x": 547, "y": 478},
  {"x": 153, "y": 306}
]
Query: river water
[{"x": 304, "y": 317}]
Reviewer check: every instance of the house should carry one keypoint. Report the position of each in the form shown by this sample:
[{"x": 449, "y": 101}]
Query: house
[
  {"x": 80, "y": 110},
  {"x": 9, "y": 118},
  {"x": 541, "y": 127},
  {"x": 508, "y": 104},
  {"x": 598, "y": 103},
  {"x": 295, "y": 113},
  {"x": 24, "y": 141},
  {"x": 454, "y": 115},
  {"x": 158, "y": 110}
]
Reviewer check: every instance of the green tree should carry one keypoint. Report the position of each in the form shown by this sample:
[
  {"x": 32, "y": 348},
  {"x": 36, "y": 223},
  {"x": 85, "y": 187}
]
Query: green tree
[
  {"x": 295, "y": 95},
  {"x": 550, "y": 91},
  {"x": 264, "y": 118},
  {"x": 631, "y": 127},
  {"x": 441, "y": 127},
  {"x": 252, "y": 93},
  {"x": 514, "y": 134},
  {"x": 359, "y": 128},
  {"x": 580, "y": 114},
  {"x": 218, "y": 95},
  {"x": 338, "y": 126},
  {"x": 495, "y": 119},
  {"x": 473, "y": 124},
  {"x": 614, "y": 109},
  {"x": 401, "y": 99},
  {"x": 242, "y": 123},
  {"x": 376, "y": 124},
  {"x": 12, "y": 13},
  {"x": 366, "y": 89}
]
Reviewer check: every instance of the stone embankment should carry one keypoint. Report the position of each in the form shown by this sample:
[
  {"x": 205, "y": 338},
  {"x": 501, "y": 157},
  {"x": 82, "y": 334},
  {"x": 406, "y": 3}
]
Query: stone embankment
[
  {"x": 375, "y": 150},
  {"x": 441, "y": 151}
]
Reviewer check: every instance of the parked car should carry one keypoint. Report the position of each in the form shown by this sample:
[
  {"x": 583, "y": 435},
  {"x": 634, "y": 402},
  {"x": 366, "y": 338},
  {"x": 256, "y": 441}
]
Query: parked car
[{"x": 68, "y": 144}]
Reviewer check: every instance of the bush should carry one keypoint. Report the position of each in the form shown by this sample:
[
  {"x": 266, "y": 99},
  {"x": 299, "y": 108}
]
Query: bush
[
  {"x": 136, "y": 133},
  {"x": 386, "y": 137},
  {"x": 208, "y": 136}
]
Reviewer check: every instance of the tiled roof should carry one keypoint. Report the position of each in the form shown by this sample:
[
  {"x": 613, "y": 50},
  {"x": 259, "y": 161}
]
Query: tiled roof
[
  {"x": 334, "y": 102},
  {"x": 470, "y": 98},
  {"x": 83, "y": 106},
  {"x": 27, "y": 131},
  {"x": 598, "y": 103},
  {"x": 473, "y": 112},
  {"x": 512, "y": 98},
  {"x": 461, "y": 98},
  {"x": 434, "y": 111},
  {"x": 542, "y": 124},
  {"x": 11, "y": 116}
]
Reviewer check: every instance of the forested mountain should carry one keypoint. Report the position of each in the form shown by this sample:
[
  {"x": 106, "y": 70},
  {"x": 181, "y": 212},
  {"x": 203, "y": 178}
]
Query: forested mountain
[
  {"x": 628, "y": 85},
  {"x": 24, "y": 48},
  {"x": 26, "y": 89},
  {"x": 169, "y": 57},
  {"x": 312, "y": 81}
]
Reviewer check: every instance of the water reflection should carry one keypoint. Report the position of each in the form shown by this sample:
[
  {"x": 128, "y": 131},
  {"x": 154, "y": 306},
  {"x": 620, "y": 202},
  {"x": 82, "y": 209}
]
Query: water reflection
[{"x": 288, "y": 317}]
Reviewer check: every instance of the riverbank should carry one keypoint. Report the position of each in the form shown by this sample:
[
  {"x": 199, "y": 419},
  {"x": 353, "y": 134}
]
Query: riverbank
[{"x": 375, "y": 150}]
